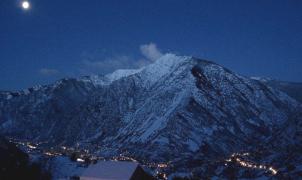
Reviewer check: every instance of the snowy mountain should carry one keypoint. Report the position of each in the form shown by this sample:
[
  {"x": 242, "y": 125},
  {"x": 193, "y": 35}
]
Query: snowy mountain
[{"x": 182, "y": 111}]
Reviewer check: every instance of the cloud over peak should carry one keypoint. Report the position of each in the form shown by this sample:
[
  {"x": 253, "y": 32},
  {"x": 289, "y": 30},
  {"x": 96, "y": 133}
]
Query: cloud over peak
[
  {"x": 97, "y": 63},
  {"x": 150, "y": 51}
]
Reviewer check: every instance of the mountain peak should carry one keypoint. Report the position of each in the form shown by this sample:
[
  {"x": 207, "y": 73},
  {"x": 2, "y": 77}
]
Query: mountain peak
[
  {"x": 153, "y": 71},
  {"x": 178, "y": 106}
]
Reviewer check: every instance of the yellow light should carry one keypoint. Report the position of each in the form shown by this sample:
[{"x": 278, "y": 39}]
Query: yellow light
[{"x": 250, "y": 165}]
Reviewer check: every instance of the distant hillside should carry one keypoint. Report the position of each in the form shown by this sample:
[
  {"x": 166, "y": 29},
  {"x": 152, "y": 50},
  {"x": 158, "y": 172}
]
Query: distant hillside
[{"x": 291, "y": 88}]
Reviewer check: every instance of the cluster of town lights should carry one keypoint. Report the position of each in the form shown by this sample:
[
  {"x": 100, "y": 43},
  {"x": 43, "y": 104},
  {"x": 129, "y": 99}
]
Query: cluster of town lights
[
  {"x": 83, "y": 154},
  {"x": 158, "y": 166},
  {"x": 234, "y": 157}
]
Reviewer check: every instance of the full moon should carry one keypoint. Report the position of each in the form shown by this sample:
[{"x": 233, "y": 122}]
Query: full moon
[{"x": 25, "y": 5}]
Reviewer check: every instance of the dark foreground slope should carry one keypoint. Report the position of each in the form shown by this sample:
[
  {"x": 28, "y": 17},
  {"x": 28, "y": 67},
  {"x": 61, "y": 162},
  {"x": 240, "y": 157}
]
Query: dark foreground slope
[
  {"x": 14, "y": 164},
  {"x": 181, "y": 111}
]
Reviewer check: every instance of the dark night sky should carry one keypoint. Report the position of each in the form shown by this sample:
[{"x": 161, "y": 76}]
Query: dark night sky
[{"x": 59, "y": 38}]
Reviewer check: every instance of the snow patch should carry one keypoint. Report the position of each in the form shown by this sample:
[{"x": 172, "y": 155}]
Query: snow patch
[
  {"x": 121, "y": 73},
  {"x": 155, "y": 125},
  {"x": 62, "y": 168},
  {"x": 161, "y": 67},
  {"x": 9, "y": 96},
  {"x": 26, "y": 92},
  {"x": 110, "y": 170}
]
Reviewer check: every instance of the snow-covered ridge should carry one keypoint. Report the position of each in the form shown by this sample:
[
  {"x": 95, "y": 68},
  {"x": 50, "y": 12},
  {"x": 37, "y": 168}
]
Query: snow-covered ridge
[
  {"x": 263, "y": 79},
  {"x": 149, "y": 73},
  {"x": 164, "y": 65},
  {"x": 99, "y": 80},
  {"x": 118, "y": 74}
]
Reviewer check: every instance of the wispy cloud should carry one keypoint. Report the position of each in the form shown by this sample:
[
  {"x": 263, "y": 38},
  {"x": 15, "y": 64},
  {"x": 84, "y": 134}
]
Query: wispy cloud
[
  {"x": 48, "y": 72},
  {"x": 96, "y": 63},
  {"x": 106, "y": 65},
  {"x": 150, "y": 51}
]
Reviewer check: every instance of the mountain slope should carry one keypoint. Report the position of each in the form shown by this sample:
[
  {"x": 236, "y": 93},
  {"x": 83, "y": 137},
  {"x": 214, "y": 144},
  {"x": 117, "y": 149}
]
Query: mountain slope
[{"x": 177, "y": 108}]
